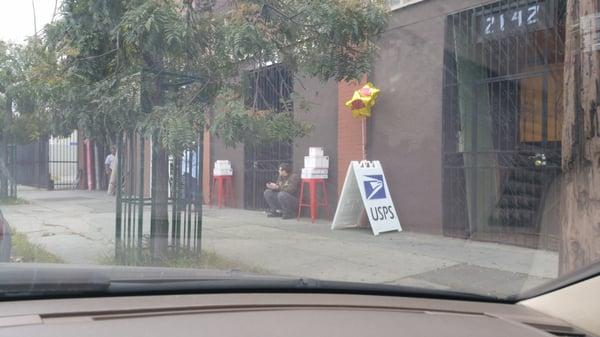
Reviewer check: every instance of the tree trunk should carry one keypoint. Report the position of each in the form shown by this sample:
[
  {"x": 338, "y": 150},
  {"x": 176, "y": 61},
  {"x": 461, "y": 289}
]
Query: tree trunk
[
  {"x": 580, "y": 208},
  {"x": 152, "y": 95}
]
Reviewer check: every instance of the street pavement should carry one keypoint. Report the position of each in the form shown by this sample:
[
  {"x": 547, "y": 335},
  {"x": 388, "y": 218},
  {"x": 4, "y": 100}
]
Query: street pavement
[{"x": 78, "y": 226}]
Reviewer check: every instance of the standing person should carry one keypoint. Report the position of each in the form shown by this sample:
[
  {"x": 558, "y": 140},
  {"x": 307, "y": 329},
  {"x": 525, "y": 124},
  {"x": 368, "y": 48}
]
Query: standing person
[
  {"x": 112, "y": 180},
  {"x": 282, "y": 196},
  {"x": 108, "y": 164}
]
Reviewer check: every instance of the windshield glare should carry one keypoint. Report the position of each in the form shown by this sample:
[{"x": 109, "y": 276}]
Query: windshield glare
[{"x": 443, "y": 146}]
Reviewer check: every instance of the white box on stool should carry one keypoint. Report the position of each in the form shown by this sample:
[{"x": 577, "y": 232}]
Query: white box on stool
[
  {"x": 315, "y": 152},
  {"x": 316, "y": 162},
  {"x": 311, "y": 170},
  {"x": 222, "y": 172},
  {"x": 315, "y": 176},
  {"x": 222, "y": 164},
  {"x": 314, "y": 173}
]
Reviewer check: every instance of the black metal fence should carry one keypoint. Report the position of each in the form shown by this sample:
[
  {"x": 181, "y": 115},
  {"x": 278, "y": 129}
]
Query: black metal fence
[
  {"x": 503, "y": 118},
  {"x": 32, "y": 164},
  {"x": 48, "y": 163},
  {"x": 154, "y": 222},
  {"x": 268, "y": 88}
]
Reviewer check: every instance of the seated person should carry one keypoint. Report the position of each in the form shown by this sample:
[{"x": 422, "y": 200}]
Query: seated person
[{"x": 282, "y": 196}]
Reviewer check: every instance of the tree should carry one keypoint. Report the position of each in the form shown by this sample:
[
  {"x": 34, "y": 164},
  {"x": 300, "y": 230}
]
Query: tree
[
  {"x": 22, "y": 119},
  {"x": 580, "y": 238},
  {"x": 166, "y": 67}
]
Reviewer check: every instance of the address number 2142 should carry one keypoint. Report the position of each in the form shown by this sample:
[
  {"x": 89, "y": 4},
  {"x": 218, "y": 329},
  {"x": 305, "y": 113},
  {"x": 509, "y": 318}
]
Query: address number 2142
[{"x": 510, "y": 20}]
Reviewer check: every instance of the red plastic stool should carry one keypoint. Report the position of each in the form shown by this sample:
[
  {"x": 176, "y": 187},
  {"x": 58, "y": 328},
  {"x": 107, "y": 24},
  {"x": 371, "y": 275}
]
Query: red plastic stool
[
  {"x": 313, "y": 202},
  {"x": 225, "y": 193}
]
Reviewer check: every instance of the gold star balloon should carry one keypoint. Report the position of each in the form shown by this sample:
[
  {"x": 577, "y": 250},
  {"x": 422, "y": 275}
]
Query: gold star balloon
[{"x": 363, "y": 100}]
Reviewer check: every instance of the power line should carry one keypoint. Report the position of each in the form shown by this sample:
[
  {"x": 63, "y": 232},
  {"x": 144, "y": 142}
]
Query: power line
[{"x": 415, "y": 22}]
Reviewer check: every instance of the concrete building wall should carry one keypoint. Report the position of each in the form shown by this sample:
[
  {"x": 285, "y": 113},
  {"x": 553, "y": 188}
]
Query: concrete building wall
[
  {"x": 321, "y": 99},
  {"x": 322, "y": 113}
]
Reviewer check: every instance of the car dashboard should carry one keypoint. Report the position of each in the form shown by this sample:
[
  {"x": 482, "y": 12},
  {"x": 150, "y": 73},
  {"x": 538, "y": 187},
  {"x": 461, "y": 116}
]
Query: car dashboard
[{"x": 274, "y": 314}]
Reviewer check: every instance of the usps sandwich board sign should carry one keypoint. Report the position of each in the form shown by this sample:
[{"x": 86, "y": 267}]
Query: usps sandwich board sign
[{"x": 365, "y": 189}]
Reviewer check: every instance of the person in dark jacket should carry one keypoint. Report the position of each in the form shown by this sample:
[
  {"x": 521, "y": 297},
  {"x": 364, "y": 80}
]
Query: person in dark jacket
[{"x": 282, "y": 196}]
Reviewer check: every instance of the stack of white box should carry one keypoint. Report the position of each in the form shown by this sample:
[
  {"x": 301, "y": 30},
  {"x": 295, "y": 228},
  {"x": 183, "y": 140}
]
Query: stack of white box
[
  {"x": 316, "y": 165},
  {"x": 223, "y": 168}
]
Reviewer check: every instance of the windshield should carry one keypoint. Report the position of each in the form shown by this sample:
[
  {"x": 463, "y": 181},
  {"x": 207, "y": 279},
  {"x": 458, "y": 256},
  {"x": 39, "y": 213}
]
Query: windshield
[{"x": 442, "y": 146}]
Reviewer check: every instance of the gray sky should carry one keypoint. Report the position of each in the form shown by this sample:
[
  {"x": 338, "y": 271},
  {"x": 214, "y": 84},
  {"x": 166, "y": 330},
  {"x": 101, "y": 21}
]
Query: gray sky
[{"x": 16, "y": 17}]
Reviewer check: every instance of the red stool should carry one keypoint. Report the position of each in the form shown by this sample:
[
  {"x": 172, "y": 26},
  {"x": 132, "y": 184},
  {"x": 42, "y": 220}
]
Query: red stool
[
  {"x": 313, "y": 202},
  {"x": 225, "y": 193}
]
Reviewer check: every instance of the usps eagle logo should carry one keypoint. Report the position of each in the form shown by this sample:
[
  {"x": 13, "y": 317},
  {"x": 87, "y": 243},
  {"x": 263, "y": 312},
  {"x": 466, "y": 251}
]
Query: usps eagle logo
[{"x": 374, "y": 187}]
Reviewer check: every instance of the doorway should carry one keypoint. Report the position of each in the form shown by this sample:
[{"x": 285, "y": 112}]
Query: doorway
[{"x": 503, "y": 121}]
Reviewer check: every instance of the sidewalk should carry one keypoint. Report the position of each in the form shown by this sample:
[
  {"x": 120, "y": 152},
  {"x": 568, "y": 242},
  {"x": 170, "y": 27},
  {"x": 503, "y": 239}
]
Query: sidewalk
[{"x": 79, "y": 227}]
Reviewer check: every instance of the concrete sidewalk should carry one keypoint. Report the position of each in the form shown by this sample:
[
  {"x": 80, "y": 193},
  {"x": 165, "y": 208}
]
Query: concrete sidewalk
[{"x": 79, "y": 227}]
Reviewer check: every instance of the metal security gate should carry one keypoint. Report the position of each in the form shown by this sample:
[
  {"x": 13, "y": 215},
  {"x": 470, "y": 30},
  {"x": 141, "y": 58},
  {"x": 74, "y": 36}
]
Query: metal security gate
[
  {"x": 63, "y": 163},
  {"x": 48, "y": 163},
  {"x": 262, "y": 163},
  {"x": 32, "y": 164},
  {"x": 503, "y": 121},
  {"x": 268, "y": 88}
]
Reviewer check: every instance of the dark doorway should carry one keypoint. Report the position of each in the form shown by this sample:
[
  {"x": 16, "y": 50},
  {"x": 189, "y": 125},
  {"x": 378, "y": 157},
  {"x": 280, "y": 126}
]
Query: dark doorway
[
  {"x": 269, "y": 88},
  {"x": 503, "y": 120},
  {"x": 262, "y": 162},
  {"x": 49, "y": 162},
  {"x": 32, "y": 164}
]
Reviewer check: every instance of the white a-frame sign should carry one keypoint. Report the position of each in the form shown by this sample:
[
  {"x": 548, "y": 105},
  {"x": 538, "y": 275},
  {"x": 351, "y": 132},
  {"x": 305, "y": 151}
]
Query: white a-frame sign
[{"x": 365, "y": 188}]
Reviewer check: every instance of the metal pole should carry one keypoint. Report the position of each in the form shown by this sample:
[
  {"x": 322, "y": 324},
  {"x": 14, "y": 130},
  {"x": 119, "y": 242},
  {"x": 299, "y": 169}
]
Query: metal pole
[
  {"x": 98, "y": 166},
  {"x": 364, "y": 138},
  {"x": 90, "y": 167},
  {"x": 119, "y": 208},
  {"x": 141, "y": 197},
  {"x": 200, "y": 199},
  {"x": 175, "y": 196},
  {"x": 153, "y": 197}
]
